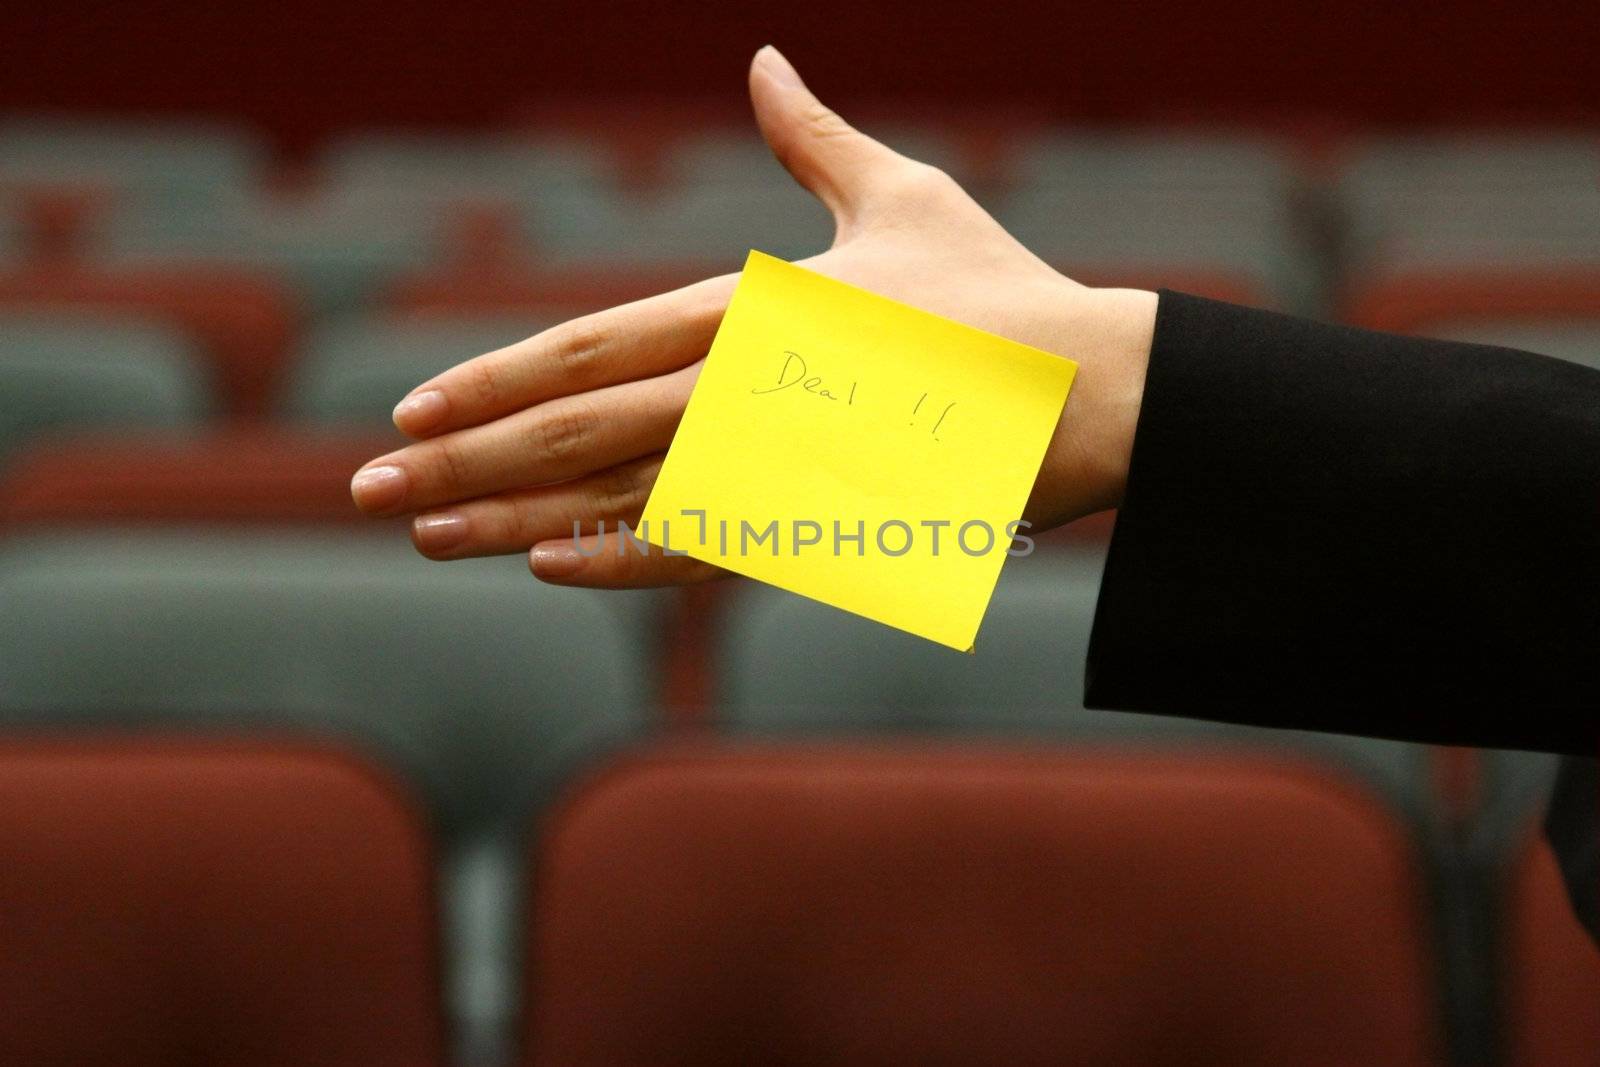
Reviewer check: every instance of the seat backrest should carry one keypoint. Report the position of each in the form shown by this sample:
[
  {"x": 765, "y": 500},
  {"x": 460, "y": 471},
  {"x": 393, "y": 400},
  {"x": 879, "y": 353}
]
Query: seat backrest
[
  {"x": 480, "y": 684},
  {"x": 172, "y": 160},
  {"x": 63, "y": 373},
  {"x": 335, "y": 252},
  {"x": 1552, "y": 975},
  {"x": 717, "y": 227},
  {"x": 1177, "y": 160},
  {"x": 357, "y": 370},
  {"x": 172, "y": 902},
  {"x": 794, "y": 905},
  {"x": 1165, "y": 235},
  {"x": 433, "y": 171},
  {"x": 793, "y": 668},
  {"x": 1470, "y": 200},
  {"x": 1163, "y": 208},
  {"x": 238, "y": 321}
]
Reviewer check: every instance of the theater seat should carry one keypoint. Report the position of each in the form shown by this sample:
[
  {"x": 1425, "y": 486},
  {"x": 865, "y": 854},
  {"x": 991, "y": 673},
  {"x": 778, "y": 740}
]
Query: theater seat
[
  {"x": 868, "y": 906},
  {"x": 335, "y": 252},
  {"x": 1212, "y": 215},
  {"x": 435, "y": 172},
  {"x": 254, "y": 905},
  {"x": 355, "y": 371},
  {"x": 65, "y": 373},
  {"x": 717, "y": 226},
  {"x": 238, "y": 321},
  {"x": 1472, "y": 198},
  {"x": 175, "y": 160},
  {"x": 795, "y": 671},
  {"x": 484, "y": 689},
  {"x": 1553, "y": 973},
  {"x": 1024, "y": 681}
]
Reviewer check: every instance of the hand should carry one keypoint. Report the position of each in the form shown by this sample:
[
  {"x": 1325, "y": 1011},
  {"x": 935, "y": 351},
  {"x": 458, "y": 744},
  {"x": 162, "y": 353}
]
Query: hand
[{"x": 572, "y": 424}]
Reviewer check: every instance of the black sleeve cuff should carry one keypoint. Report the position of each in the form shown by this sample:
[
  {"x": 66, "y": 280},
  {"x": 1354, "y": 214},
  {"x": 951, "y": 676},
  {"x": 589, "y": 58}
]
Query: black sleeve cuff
[{"x": 1331, "y": 529}]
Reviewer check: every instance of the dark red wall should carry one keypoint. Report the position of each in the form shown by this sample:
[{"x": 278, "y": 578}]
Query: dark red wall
[{"x": 303, "y": 67}]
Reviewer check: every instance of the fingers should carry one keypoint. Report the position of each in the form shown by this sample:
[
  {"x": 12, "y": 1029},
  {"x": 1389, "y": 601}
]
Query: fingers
[
  {"x": 516, "y": 521},
  {"x": 562, "y": 439},
  {"x": 611, "y": 563},
  {"x": 542, "y": 519},
  {"x": 639, "y": 340},
  {"x": 836, "y": 163}
]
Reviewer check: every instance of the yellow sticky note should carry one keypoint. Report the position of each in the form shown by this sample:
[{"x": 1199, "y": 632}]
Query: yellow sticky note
[{"x": 858, "y": 451}]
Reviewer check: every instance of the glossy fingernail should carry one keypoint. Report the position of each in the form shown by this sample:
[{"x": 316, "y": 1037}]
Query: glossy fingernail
[
  {"x": 554, "y": 561},
  {"x": 439, "y": 533},
  {"x": 420, "y": 412},
  {"x": 378, "y": 488},
  {"x": 780, "y": 68}
]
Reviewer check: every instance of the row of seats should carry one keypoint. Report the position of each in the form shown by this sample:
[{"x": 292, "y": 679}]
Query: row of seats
[
  {"x": 269, "y": 903},
  {"x": 70, "y": 371},
  {"x": 1243, "y": 212},
  {"x": 493, "y": 701},
  {"x": 174, "y": 161}
]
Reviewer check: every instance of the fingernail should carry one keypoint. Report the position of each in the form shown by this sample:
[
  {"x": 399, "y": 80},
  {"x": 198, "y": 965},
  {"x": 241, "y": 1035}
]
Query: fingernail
[
  {"x": 780, "y": 68},
  {"x": 438, "y": 533},
  {"x": 378, "y": 488},
  {"x": 554, "y": 561},
  {"x": 420, "y": 412}
]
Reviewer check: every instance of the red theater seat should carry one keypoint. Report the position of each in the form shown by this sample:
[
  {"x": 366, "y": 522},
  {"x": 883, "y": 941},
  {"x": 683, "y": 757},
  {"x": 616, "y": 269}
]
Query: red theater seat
[
  {"x": 174, "y": 903},
  {"x": 241, "y": 320},
  {"x": 838, "y": 906},
  {"x": 255, "y": 474},
  {"x": 1554, "y": 973}
]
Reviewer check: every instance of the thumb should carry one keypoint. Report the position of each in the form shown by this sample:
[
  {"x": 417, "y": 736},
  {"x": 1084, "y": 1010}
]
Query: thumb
[{"x": 835, "y": 162}]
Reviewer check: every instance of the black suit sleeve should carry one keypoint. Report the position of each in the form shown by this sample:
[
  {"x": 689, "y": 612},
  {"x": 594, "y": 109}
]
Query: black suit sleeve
[{"x": 1332, "y": 529}]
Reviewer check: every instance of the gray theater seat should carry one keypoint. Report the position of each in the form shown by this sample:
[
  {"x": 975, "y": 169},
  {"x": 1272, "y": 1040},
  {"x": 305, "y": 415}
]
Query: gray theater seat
[
  {"x": 483, "y": 688},
  {"x": 60, "y": 373},
  {"x": 174, "y": 160},
  {"x": 356, "y": 370}
]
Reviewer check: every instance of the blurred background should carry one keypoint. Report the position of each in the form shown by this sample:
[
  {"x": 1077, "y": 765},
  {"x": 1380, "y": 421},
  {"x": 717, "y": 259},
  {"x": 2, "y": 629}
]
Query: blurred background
[{"x": 275, "y": 790}]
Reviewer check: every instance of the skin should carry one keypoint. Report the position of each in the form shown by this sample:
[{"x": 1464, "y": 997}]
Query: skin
[{"x": 572, "y": 424}]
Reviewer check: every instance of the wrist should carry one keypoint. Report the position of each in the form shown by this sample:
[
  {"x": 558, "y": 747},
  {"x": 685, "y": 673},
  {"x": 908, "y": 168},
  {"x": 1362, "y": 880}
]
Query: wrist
[
  {"x": 1108, "y": 333},
  {"x": 1127, "y": 318}
]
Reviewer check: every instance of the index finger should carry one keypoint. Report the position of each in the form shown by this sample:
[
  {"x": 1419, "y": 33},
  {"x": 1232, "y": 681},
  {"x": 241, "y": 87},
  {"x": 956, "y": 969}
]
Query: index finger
[{"x": 643, "y": 339}]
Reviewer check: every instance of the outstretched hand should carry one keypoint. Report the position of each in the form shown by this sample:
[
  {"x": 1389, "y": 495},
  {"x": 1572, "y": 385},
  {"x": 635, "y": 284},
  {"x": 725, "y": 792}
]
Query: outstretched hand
[{"x": 571, "y": 425}]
